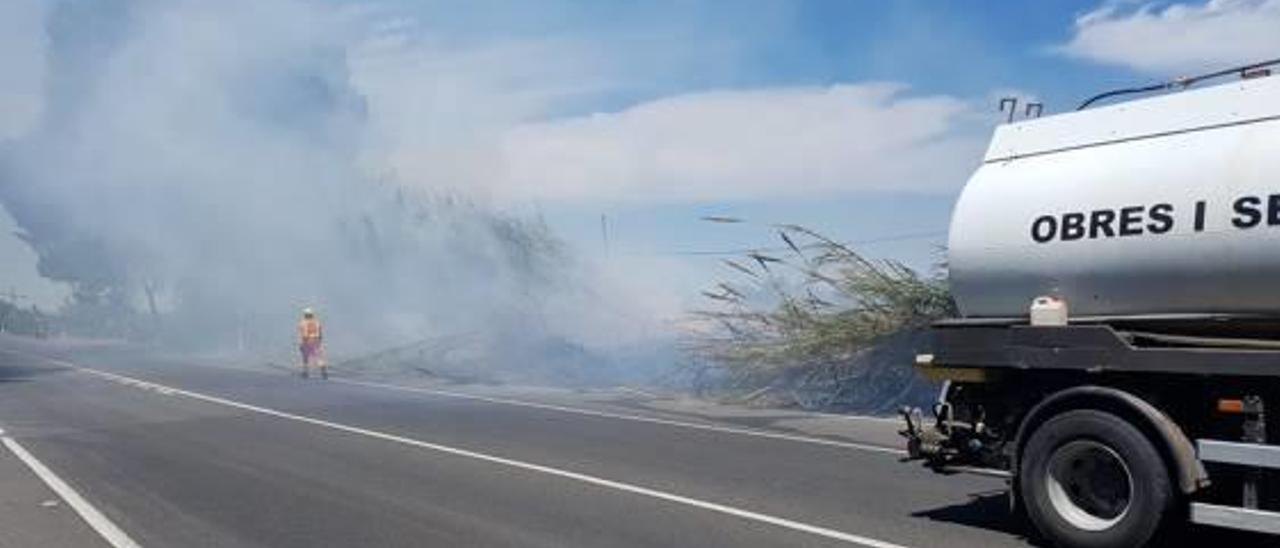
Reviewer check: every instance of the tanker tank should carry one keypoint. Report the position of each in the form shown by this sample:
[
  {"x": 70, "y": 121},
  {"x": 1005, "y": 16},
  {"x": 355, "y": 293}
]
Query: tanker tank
[{"x": 1161, "y": 206}]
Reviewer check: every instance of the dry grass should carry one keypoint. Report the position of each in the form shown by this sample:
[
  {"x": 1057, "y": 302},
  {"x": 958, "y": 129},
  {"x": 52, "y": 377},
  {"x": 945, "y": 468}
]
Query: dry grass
[{"x": 804, "y": 321}]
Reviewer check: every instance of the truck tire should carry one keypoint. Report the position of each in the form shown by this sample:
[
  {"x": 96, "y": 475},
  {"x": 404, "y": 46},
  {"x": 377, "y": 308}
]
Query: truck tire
[{"x": 1090, "y": 479}]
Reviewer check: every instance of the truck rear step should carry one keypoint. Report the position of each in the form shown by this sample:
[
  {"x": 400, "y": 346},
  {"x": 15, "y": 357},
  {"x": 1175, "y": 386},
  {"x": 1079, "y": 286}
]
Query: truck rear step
[{"x": 1242, "y": 454}]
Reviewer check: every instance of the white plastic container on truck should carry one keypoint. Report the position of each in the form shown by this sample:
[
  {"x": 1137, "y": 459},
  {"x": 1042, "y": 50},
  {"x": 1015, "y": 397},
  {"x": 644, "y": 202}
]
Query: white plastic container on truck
[
  {"x": 1049, "y": 310},
  {"x": 1158, "y": 206}
]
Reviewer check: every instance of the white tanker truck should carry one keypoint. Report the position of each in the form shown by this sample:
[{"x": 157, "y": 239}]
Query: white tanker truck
[{"x": 1117, "y": 270}]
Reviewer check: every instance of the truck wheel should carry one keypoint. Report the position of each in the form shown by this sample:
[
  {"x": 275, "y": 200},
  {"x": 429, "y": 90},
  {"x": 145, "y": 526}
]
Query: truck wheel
[{"x": 1090, "y": 479}]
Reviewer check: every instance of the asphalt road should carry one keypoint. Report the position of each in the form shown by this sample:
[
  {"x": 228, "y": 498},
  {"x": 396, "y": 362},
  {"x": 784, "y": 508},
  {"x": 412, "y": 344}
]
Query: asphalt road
[{"x": 175, "y": 452}]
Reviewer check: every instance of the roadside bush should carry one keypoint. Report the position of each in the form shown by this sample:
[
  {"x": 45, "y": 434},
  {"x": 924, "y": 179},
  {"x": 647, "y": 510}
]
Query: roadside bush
[{"x": 817, "y": 325}]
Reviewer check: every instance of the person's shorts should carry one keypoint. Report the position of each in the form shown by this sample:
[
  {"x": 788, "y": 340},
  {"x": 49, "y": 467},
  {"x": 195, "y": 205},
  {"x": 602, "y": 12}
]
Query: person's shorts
[{"x": 310, "y": 351}]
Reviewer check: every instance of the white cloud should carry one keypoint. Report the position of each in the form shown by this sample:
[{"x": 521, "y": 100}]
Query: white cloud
[
  {"x": 782, "y": 142},
  {"x": 1177, "y": 38},
  {"x": 489, "y": 118},
  {"x": 22, "y": 51},
  {"x": 436, "y": 112}
]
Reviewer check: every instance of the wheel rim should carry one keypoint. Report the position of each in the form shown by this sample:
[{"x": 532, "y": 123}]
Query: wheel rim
[{"x": 1089, "y": 485}]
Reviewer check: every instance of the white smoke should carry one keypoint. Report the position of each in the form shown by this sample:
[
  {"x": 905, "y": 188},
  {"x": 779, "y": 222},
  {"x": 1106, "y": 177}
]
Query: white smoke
[{"x": 222, "y": 161}]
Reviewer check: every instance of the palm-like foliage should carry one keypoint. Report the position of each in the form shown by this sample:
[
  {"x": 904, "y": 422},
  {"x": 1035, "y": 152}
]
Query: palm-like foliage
[{"x": 810, "y": 314}]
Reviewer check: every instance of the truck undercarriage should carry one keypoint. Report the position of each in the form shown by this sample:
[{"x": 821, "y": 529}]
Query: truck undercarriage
[{"x": 1068, "y": 413}]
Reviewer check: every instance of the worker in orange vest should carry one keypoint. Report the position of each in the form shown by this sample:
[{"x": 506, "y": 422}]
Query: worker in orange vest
[{"x": 309, "y": 338}]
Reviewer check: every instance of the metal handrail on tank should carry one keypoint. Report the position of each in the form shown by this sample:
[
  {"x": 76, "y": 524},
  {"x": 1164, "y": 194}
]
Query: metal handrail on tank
[{"x": 1182, "y": 83}]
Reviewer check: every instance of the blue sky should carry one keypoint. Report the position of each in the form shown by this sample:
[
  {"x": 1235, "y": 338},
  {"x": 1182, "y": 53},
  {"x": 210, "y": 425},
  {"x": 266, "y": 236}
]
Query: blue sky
[
  {"x": 860, "y": 119},
  {"x": 971, "y": 52}
]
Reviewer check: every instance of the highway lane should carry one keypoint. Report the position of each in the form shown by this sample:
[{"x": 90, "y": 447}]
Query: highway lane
[{"x": 176, "y": 470}]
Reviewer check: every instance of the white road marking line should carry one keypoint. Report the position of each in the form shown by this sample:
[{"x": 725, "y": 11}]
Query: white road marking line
[
  {"x": 100, "y": 523},
  {"x": 637, "y": 392},
  {"x": 636, "y": 418},
  {"x": 866, "y": 418},
  {"x": 512, "y": 463}
]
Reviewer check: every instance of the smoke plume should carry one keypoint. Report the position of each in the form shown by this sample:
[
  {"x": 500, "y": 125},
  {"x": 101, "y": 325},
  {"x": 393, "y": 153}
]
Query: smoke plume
[{"x": 204, "y": 169}]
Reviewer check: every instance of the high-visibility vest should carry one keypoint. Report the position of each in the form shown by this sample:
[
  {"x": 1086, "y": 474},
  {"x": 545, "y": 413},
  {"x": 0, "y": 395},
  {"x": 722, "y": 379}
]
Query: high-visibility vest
[{"x": 309, "y": 330}]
